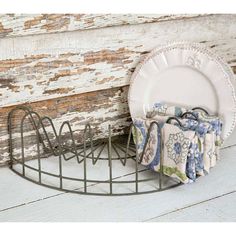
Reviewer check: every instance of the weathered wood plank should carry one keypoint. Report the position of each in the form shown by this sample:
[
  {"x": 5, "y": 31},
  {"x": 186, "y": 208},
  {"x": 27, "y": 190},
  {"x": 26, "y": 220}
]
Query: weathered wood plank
[
  {"x": 21, "y": 192},
  {"x": 25, "y": 192},
  {"x": 99, "y": 108},
  {"x": 42, "y": 67},
  {"x": 219, "y": 209},
  {"x": 31, "y": 24},
  {"x": 72, "y": 207}
]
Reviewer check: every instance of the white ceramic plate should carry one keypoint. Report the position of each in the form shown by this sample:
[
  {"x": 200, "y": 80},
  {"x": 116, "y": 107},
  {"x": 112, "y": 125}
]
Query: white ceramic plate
[{"x": 185, "y": 74}]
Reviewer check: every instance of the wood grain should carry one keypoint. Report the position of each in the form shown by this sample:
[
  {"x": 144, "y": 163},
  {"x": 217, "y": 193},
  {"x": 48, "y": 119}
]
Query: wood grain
[
  {"x": 26, "y": 201},
  {"x": 42, "y": 67},
  {"x": 98, "y": 108},
  {"x": 12, "y": 25},
  {"x": 45, "y": 67},
  {"x": 218, "y": 209}
]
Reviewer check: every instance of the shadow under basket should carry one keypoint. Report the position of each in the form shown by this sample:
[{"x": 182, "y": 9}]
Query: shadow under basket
[{"x": 109, "y": 166}]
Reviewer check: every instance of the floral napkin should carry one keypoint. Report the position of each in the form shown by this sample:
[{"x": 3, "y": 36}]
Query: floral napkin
[
  {"x": 191, "y": 159},
  {"x": 165, "y": 109},
  {"x": 176, "y": 145},
  {"x": 216, "y": 122},
  {"x": 200, "y": 154},
  {"x": 202, "y": 130},
  {"x": 198, "y": 148},
  {"x": 209, "y": 157},
  {"x": 150, "y": 153}
]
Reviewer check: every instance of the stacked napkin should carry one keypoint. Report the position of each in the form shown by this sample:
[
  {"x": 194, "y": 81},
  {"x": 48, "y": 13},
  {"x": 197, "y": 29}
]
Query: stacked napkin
[{"x": 188, "y": 144}]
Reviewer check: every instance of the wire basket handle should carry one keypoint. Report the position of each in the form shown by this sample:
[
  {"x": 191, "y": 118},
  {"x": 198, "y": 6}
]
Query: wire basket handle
[
  {"x": 200, "y": 108},
  {"x": 194, "y": 117},
  {"x": 174, "y": 118}
]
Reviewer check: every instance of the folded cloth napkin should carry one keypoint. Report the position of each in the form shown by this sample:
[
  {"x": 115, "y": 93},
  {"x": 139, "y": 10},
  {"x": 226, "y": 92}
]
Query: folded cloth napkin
[
  {"x": 201, "y": 151},
  {"x": 176, "y": 145},
  {"x": 160, "y": 108},
  {"x": 216, "y": 124},
  {"x": 148, "y": 148},
  {"x": 201, "y": 129},
  {"x": 191, "y": 163},
  {"x": 209, "y": 157}
]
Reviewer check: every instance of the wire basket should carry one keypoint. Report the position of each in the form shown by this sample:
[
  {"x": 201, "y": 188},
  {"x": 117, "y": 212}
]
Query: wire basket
[{"x": 109, "y": 166}]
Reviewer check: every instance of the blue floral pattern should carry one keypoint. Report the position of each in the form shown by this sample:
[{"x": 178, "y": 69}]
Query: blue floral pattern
[
  {"x": 195, "y": 154},
  {"x": 151, "y": 157},
  {"x": 160, "y": 108},
  {"x": 177, "y": 147},
  {"x": 216, "y": 128},
  {"x": 177, "y": 144}
]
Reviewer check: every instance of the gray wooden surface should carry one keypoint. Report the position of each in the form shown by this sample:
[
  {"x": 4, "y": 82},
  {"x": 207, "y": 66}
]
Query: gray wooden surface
[
  {"x": 220, "y": 208},
  {"x": 211, "y": 198}
]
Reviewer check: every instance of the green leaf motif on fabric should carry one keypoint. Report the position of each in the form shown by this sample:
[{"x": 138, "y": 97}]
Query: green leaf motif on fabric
[
  {"x": 200, "y": 145},
  {"x": 218, "y": 143},
  {"x": 137, "y": 135},
  {"x": 173, "y": 170}
]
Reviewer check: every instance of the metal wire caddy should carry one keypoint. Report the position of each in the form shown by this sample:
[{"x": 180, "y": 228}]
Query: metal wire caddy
[{"x": 121, "y": 149}]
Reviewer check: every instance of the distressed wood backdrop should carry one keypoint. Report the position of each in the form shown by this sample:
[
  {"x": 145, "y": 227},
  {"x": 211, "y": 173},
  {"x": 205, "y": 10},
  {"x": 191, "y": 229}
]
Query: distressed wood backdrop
[{"x": 77, "y": 67}]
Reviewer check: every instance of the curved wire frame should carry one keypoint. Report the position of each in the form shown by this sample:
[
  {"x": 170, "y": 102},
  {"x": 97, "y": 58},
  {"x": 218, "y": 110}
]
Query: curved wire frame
[
  {"x": 191, "y": 115},
  {"x": 202, "y": 109},
  {"x": 60, "y": 148}
]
